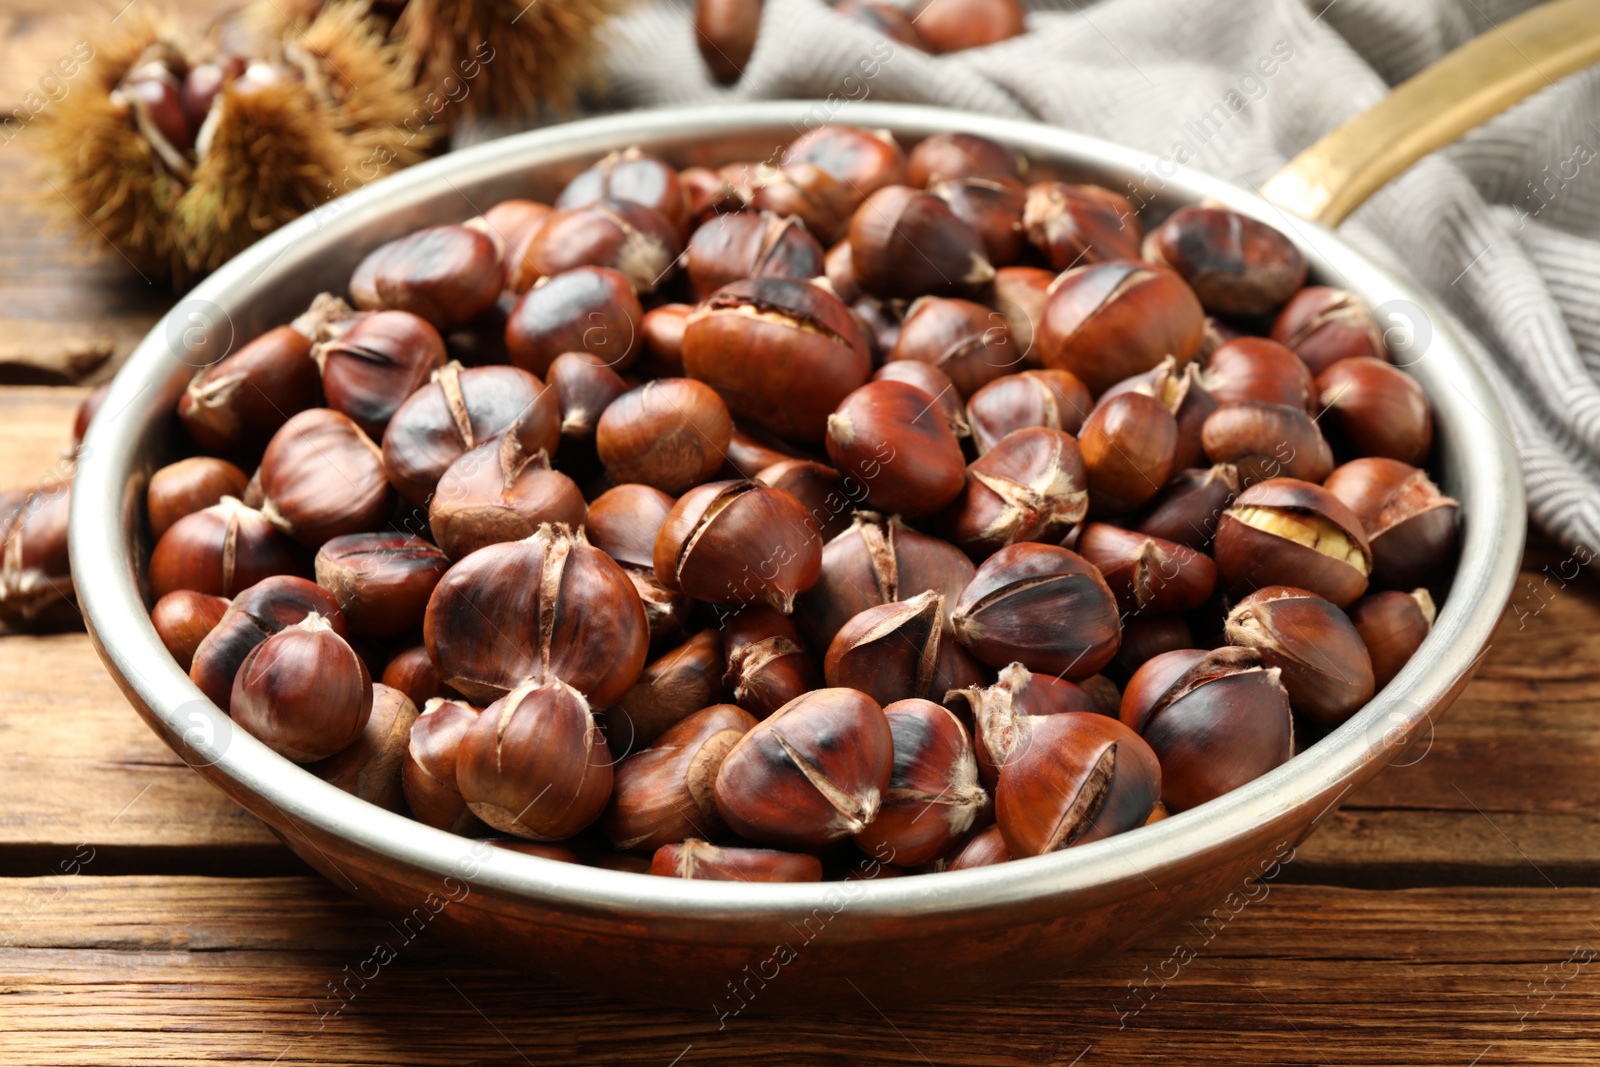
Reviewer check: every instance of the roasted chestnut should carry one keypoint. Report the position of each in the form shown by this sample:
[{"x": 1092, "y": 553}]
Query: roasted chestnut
[
  {"x": 1188, "y": 507},
  {"x": 1128, "y": 445},
  {"x": 1325, "y": 665},
  {"x": 1410, "y": 524},
  {"x": 662, "y": 795},
  {"x": 1377, "y": 409},
  {"x": 584, "y": 390},
  {"x": 933, "y": 795},
  {"x": 898, "y": 651},
  {"x": 671, "y": 687},
  {"x": 1073, "y": 224},
  {"x": 370, "y": 369},
  {"x": 1043, "y": 606},
  {"x": 1325, "y": 325},
  {"x": 995, "y": 709},
  {"x": 448, "y": 275},
  {"x": 738, "y": 543},
  {"x": 631, "y": 174},
  {"x": 623, "y": 523},
  {"x": 1031, "y": 486},
  {"x": 993, "y": 208},
  {"x": 1283, "y": 530},
  {"x": 497, "y": 492},
  {"x": 589, "y": 309},
  {"x": 671, "y": 433},
  {"x": 382, "y": 581},
  {"x": 1256, "y": 369},
  {"x": 708, "y": 862},
  {"x": 638, "y": 241},
  {"x": 933, "y": 381},
  {"x": 370, "y": 767},
  {"x": 906, "y": 243},
  {"x": 967, "y": 341},
  {"x": 828, "y": 496},
  {"x": 183, "y": 618},
  {"x": 413, "y": 673},
  {"x": 864, "y": 160},
  {"x": 662, "y": 330},
  {"x": 303, "y": 692},
  {"x": 892, "y": 439},
  {"x": 1182, "y": 392},
  {"x": 1146, "y": 573},
  {"x": 806, "y": 191},
  {"x": 983, "y": 849},
  {"x": 321, "y": 476},
  {"x": 1392, "y": 625},
  {"x": 187, "y": 486},
  {"x": 1108, "y": 321},
  {"x": 428, "y": 774},
  {"x": 1262, "y": 441},
  {"x": 767, "y": 664},
  {"x": 219, "y": 550},
  {"x": 1236, "y": 265},
  {"x": 262, "y": 610},
  {"x": 948, "y": 156},
  {"x": 1019, "y": 295},
  {"x": 238, "y": 402},
  {"x": 1054, "y": 399}
]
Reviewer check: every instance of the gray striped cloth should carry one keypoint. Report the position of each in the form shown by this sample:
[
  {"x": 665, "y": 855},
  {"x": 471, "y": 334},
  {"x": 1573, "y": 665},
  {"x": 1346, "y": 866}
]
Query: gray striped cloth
[{"x": 1501, "y": 228}]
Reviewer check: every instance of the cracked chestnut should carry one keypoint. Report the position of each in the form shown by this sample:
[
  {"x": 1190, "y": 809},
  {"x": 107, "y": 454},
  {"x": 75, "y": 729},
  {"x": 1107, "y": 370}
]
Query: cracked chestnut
[
  {"x": 428, "y": 774},
  {"x": 382, "y": 581},
  {"x": 1031, "y": 486},
  {"x": 1073, "y": 224},
  {"x": 662, "y": 794},
  {"x": 218, "y": 550},
  {"x": 1147, "y": 574},
  {"x": 933, "y": 795},
  {"x": 732, "y": 247},
  {"x": 498, "y": 492},
  {"x": 1236, "y": 265},
  {"x": 370, "y": 369},
  {"x": 1325, "y": 325},
  {"x": 738, "y": 543},
  {"x": 1324, "y": 663},
  {"x": 899, "y": 651},
  {"x": 1043, "y": 606},
  {"x": 303, "y": 692},
  {"x": 1108, "y": 321},
  {"x": 905, "y": 243},
  {"x": 1283, "y": 530},
  {"x": 966, "y": 340},
  {"x": 767, "y": 664},
  {"x": 671, "y": 687},
  {"x": 1054, "y": 399},
  {"x": 1409, "y": 523},
  {"x": 892, "y": 439}
]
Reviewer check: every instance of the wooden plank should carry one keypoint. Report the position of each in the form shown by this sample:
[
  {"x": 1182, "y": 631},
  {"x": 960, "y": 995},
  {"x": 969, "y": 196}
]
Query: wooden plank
[{"x": 175, "y": 971}]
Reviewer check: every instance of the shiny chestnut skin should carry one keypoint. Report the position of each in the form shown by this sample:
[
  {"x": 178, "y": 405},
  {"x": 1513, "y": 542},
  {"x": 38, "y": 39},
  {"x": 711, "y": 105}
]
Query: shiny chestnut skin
[
  {"x": 956, "y": 25},
  {"x": 1376, "y": 409},
  {"x": 1393, "y": 626},
  {"x": 1216, "y": 720},
  {"x": 527, "y": 609},
  {"x": 995, "y": 709},
  {"x": 1283, "y": 530},
  {"x": 707, "y": 194},
  {"x": 221, "y": 550},
  {"x": 634, "y": 175},
  {"x": 906, "y": 243},
  {"x": 933, "y": 795},
  {"x": 662, "y": 332},
  {"x": 1019, "y": 295},
  {"x": 949, "y": 156},
  {"x": 534, "y": 763},
  {"x": 670, "y": 433},
  {"x": 707, "y": 862},
  {"x": 725, "y": 31},
  {"x": 183, "y": 618},
  {"x": 257, "y": 613},
  {"x": 1014, "y": 607},
  {"x": 1266, "y": 441},
  {"x": 1324, "y": 663},
  {"x": 767, "y": 664},
  {"x": 1147, "y": 574},
  {"x": 672, "y": 687},
  {"x": 382, "y": 581},
  {"x": 637, "y": 241},
  {"x": 1031, "y": 486},
  {"x": 458, "y": 410},
  {"x": 498, "y": 492},
  {"x": 828, "y": 496},
  {"x": 751, "y": 453},
  {"x": 1111, "y": 320},
  {"x": 1188, "y": 507},
  {"x": 864, "y": 160},
  {"x": 1181, "y": 391},
  {"x": 303, "y": 692},
  {"x": 1071, "y": 779},
  {"x": 738, "y": 543},
  {"x": 1236, "y": 265},
  {"x": 510, "y": 224},
  {"x": 933, "y": 381},
  {"x": 806, "y": 191},
  {"x": 1325, "y": 325},
  {"x": 966, "y": 340},
  {"x": 322, "y": 476},
  {"x": 742, "y": 244},
  {"x": 892, "y": 439},
  {"x": 623, "y": 523},
  {"x": 413, "y": 673},
  {"x": 898, "y": 651},
  {"x": 1073, "y": 224},
  {"x": 1410, "y": 524},
  {"x": 1128, "y": 445},
  {"x": 238, "y": 402},
  {"x": 369, "y": 767},
  {"x": 184, "y": 487},
  {"x": 983, "y": 849},
  {"x": 993, "y": 207},
  {"x": 662, "y": 795},
  {"x": 812, "y": 773},
  {"x": 1256, "y": 369},
  {"x": 584, "y": 389},
  {"x": 586, "y": 309},
  {"x": 370, "y": 369},
  {"x": 428, "y": 775},
  {"x": 448, "y": 275},
  {"x": 782, "y": 354},
  {"x": 36, "y": 588}
]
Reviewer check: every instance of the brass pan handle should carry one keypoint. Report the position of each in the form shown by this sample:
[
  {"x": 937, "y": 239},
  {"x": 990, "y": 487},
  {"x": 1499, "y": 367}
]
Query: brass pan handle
[{"x": 1466, "y": 88}]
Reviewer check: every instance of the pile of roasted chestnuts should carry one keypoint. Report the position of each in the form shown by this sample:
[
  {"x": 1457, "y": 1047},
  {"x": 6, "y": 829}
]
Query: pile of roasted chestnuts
[{"x": 871, "y": 505}]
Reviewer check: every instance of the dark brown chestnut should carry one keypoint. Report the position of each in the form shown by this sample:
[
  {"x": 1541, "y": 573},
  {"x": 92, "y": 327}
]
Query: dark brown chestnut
[
  {"x": 828, "y": 496},
  {"x": 584, "y": 390},
  {"x": 864, "y": 160},
  {"x": 257, "y": 613},
  {"x": 671, "y": 433},
  {"x": 708, "y": 862},
  {"x": 1236, "y": 265},
  {"x": 1128, "y": 445},
  {"x": 995, "y": 709},
  {"x": 1392, "y": 626},
  {"x": 898, "y": 651},
  {"x": 1376, "y": 409},
  {"x": 369, "y": 767},
  {"x": 1019, "y": 295},
  {"x": 1254, "y": 368},
  {"x": 449, "y": 275},
  {"x": 985, "y": 848},
  {"x": 238, "y": 402},
  {"x": 589, "y": 309},
  {"x": 638, "y": 241},
  {"x": 906, "y": 243},
  {"x": 623, "y": 523},
  {"x": 370, "y": 369},
  {"x": 218, "y": 550},
  {"x": 933, "y": 381},
  {"x": 948, "y": 156},
  {"x": 956, "y": 25},
  {"x": 413, "y": 673},
  {"x": 1043, "y": 606},
  {"x": 382, "y": 581},
  {"x": 322, "y": 476},
  {"x": 933, "y": 795},
  {"x": 806, "y": 191},
  {"x": 511, "y": 224},
  {"x": 892, "y": 439},
  {"x": 743, "y": 244},
  {"x": 738, "y": 543},
  {"x": 1147, "y": 574},
  {"x": 767, "y": 664},
  {"x": 662, "y": 331},
  {"x": 1054, "y": 399},
  {"x": 993, "y": 208},
  {"x": 1325, "y": 666},
  {"x": 1111, "y": 320},
  {"x": 497, "y": 492},
  {"x": 1188, "y": 507},
  {"x": 1410, "y": 524},
  {"x": 1181, "y": 391},
  {"x": 1325, "y": 325},
  {"x": 1031, "y": 486},
  {"x": 428, "y": 775},
  {"x": 672, "y": 686},
  {"x": 634, "y": 175},
  {"x": 662, "y": 795},
  {"x": 725, "y": 31},
  {"x": 1073, "y": 224},
  {"x": 1262, "y": 441},
  {"x": 187, "y": 486},
  {"x": 303, "y": 692},
  {"x": 1282, "y": 530},
  {"x": 183, "y": 618},
  {"x": 967, "y": 341}
]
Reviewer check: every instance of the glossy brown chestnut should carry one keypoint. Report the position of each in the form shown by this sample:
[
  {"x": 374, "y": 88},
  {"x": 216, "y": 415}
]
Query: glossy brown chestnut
[
  {"x": 219, "y": 550},
  {"x": 708, "y": 862},
  {"x": 725, "y": 31},
  {"x": 1325, "y": 666},
  {"x": 933, "y": 795},
  {"x": 662, "y": 795},
  {"x": 662, "y": 331},
  {"x": 751, "y": 453},
  {"x": 369, "y": 767},
  {"x": 1181, "y": 391},
  {"x": 428, "y": 774},
  {"x": 782, "y": 354},
  {"x": 1393, "y": 626},
  {"x": 906, "y": 243},
  {"x": 898, "y": 651},
  {"x": 1019, "y": 295},
  {"x": 511, "y": 224},
  {"x": 370, "y": 369},
  {"x": 993, "y": 208},
  {"x": 671, "y": 433},
  {"x": 806, "y": 191},
  {"x": 1073, "y": 224},
  {"x": 187, "y": 486},
  {"x": 1236, "y": 265},
  {"x": 995, "y": 709},
  {"x": 586, "y": 309},
  {"x": 1073, "y": 778},
  {"x": 1189, "y": 506},
  {"x": 738, "y": 543},
  {"x": 672, "y": 686},
  {"x": 321, "y": 476},
  {"x": 1262, "y": 441},
  {"x": 767, "y": 664},
  {"x": 1108, "y": 321},
  {"x": 1282, "y": 530},
  {"x": 448, "y": 275},
  {"x": 633, "y": 175},
  {"x": 527, "y": 610},
  {"x": 623, "y": 523},
  {"x": 1128, "y": 445},
  {"x": 182, "y": 620},
  {"x": 262, "y": 610},
  {"x": 535, "y": 764},
  {"x": 1325, "y": 325},
  {"x": 36, "y": 588},
  {"x": 743, "y": 244},
  {"x": 413, "y": 673},
  {"x": 1254, "y": 368},
  {"x": 1054, "y": 399},
  {"x": 948, "y": 156},
  {"x": 828, "y": 496},
  {"x": 584, "y": 389},
  {"x": 303, "y": 692},
  {"x": 1146, "y": 574},
  {"x": 1216, "y": 720},
  {"x": 878, "y": 561},
  {"x": 987, "y": 847},
  {"x": 956, "y": 25},
  {"x": 382, "y": 581},
  {"x": 1410, "y": 524},
  {"x": 865, "y": 160},
  {"x": 238, "y": 402},
  {"x": 707, "y": 193},
  {"x": 892, "y": 439},
  {"x": 1043, "y": 606},
  {"x": 968, "y": 341},
  {"x": 1376, "y": 409},
  {"x": 637, "y": 241},
  {"x": 933, "y": 381},
  {"x": 458, "y": 410},
  {"x": 812, "y": 773},
  {"x": 1031, "y": 486},
  {"x": 498, "y": 492}
]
